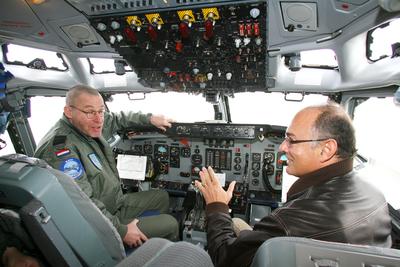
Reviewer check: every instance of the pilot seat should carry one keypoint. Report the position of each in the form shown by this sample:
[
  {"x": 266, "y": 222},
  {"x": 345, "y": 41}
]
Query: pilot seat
[
  {"x": 58, "y": 216},
  {"x": 67, "y": 229}
]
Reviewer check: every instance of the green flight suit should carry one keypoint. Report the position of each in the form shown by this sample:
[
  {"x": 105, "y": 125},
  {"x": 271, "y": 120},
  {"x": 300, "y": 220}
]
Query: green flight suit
[{"x": 91, "y": 163}]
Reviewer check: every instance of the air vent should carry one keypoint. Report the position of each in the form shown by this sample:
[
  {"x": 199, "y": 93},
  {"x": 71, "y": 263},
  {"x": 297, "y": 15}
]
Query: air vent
[
  {"x": 104, "y": 7},
  {"x": 138, "y": 3},
  {"x": 123, "y": 4},
  {"x": 187, "y": 1}
]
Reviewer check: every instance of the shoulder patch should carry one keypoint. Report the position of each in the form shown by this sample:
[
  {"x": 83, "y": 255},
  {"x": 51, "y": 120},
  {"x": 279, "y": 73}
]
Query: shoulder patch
[
  {"x": 72, "y": 167},
  {"x": 95, "y": 160},
  {"x": 59, "y": 141}
]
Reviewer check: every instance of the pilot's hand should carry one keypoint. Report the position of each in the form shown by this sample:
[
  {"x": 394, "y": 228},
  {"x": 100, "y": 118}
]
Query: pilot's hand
[
  {"x": 134, "y": 237},
  {"x": 211, "y": 189},
  {"x": 161, "y": 122},
  {"x": 12, "y": 257}
]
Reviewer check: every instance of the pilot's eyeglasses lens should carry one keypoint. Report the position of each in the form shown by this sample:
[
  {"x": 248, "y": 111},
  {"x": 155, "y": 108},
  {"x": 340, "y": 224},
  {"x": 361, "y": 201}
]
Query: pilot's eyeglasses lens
[{"x": 92, "y": 114}]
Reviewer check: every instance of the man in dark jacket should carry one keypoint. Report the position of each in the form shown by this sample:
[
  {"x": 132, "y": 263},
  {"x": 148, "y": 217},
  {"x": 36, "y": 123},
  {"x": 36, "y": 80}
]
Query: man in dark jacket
[{"x": 330, "y": 201}]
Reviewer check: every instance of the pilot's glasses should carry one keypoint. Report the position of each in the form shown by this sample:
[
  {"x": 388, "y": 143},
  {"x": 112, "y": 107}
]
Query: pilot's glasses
[
  {"x": 90, "y": 114},
  {"x": 290, "y": 141}
]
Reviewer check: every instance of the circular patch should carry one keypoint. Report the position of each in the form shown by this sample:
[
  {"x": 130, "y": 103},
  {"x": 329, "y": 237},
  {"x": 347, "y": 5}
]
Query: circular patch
[{"x": 72, "y": 167}]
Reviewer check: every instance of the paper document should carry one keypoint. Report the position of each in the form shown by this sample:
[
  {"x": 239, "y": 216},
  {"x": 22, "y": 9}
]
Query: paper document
[{"x": 132, "y": 167}]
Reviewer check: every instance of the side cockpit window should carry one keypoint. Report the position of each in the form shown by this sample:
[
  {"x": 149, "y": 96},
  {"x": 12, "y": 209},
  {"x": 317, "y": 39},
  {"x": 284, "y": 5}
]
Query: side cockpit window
[
  {"x": 377, "y": 128},
  {"x": 384, "y": 41},
  {"x": 33, "y": 58}
]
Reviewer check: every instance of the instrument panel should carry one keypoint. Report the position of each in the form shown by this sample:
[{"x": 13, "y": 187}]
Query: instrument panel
[
  {"x": 247, "y": 154},
  {"x": 218, "y": 46}
]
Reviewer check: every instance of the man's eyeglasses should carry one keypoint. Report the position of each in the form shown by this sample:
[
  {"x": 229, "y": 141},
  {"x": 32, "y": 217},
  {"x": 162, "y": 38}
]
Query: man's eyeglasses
[
  {"x": 90, "y": 114},
  {"x": 290, "y": 141}
]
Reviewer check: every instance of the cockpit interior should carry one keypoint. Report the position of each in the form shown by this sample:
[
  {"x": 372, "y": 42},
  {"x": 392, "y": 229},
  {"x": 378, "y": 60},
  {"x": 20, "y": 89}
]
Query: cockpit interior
[{"x": 214, "y": 50}]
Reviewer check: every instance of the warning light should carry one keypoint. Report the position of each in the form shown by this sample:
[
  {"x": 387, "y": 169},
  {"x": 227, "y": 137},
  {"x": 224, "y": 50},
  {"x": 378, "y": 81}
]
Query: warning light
[
  {"x": 130, "y": 34},
  {"x": 184, "y": 30},
  {"x": 256, "y": 28},
  {"x": 249, "y": 31},
  {"x": 38, "y": 2},
  {"x": 179, "y": 47},
  {"x": 241, "y": 29},
  {"x": 209, "y": 33},
  {"x": 152, "y": 33}
]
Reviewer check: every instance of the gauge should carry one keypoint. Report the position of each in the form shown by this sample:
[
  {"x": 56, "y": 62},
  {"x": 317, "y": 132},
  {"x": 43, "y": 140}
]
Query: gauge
[
  {"x": 269, "y": 157},
  {"x": 197, "y": 159},
  {"x": 182, "y": 130},
  {"x": 161, "y": 152},
  {"x": 162, "y": 149},
  {"x": 148, "y": 149},
  {"x": 204, "y": 130},
  {"x": 237, "y": 160},
  {"x": 255, "y": 165},
  {"x": 185, "y": 152},
  {"x": 174, "y": 151},
  {"x": 256, "y": 156},
  {"x": 270, "y": 170},
  {"x": 137, "y": 148}
]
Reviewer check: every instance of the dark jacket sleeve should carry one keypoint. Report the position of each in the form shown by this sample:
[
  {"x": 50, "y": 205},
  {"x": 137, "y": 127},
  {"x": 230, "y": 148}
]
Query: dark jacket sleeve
[{"x": 227, "y": 249}]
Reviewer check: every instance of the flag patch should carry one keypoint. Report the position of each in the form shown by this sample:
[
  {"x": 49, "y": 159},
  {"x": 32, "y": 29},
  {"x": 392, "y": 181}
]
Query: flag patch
[{"x": 62, "y": 152}]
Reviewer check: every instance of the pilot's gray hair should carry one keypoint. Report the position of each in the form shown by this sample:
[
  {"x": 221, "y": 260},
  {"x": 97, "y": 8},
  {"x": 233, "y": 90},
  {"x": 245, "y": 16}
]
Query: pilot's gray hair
[
  {"x": 334, "y": 122},
  {"x": 75, "y": 91}
]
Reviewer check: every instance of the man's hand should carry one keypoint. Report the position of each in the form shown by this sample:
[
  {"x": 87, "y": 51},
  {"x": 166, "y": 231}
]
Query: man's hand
[
  {"x": 12, "y": 257},
  {"x": 211, "y": 189},
  {"x": 161, "y": 122},
  {"x": 134, "y": 237}
]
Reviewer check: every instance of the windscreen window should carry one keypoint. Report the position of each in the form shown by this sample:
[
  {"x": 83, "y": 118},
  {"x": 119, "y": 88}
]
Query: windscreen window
[
  {"x": 177, "y": 106},
  {"x": 268, "y": 108}
]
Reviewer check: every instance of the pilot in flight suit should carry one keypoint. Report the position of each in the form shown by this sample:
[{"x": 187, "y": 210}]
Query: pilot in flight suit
[{"x": 91, "y": 163}]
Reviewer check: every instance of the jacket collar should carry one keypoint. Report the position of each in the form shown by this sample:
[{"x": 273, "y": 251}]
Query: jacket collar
[{"x": 320, "y": 176}]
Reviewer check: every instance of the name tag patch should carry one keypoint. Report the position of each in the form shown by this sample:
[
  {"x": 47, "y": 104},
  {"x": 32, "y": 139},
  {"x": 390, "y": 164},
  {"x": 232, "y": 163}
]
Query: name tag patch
[
  {"x": 95, "y": 160},
  {"x": 72, "y": 167}
]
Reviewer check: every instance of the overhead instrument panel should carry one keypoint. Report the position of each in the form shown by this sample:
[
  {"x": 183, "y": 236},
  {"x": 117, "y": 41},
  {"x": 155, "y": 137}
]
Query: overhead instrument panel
[{"x": 189, "y": 46}]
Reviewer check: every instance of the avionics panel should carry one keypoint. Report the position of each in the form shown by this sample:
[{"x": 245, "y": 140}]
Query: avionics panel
[
  {"x": 200, "y": 47},
  {"x": 176, "y": 159}
]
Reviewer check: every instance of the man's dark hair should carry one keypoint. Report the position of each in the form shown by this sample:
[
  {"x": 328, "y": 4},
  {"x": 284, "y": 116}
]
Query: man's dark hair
[{"x": 334, "y": 122}]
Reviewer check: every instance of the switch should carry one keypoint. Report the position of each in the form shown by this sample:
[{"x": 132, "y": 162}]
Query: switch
[{"x": 115, "y": 25}]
